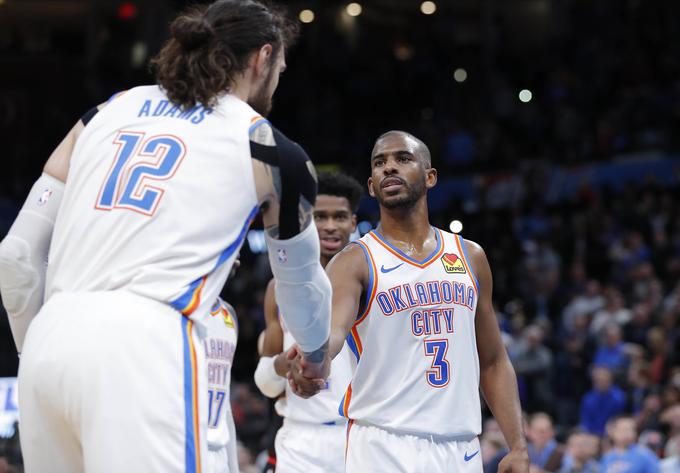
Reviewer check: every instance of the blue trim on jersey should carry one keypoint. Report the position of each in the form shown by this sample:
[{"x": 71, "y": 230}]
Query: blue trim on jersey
[
  {"x": 353, "y": 346},
  {"x": 371, "y": 277},
  {"x": 189, "y": 434},
  {"x": 407, "y": 257},
  {"x": 184, "y": 300},
  {"x": 236, "y": 244},
  {"x": 467, "y": 260},
  {"x": 115, "y": 94},
  {"x": 261, "y": 121},
  {"x": 342, "y": 403}
]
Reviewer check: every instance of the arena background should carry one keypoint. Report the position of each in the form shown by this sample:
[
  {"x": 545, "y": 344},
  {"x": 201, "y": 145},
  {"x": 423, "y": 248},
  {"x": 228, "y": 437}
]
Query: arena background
[{"x": 555, "y": 127}]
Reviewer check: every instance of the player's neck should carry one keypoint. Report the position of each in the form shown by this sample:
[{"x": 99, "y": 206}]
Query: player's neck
[
  {"x": 324, "y": 261},
  {"x": 406, "y": 224},
  {"x": 241, "y": 87}
]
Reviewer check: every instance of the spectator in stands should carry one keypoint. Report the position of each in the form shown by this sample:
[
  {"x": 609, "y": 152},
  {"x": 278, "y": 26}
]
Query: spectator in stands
[
  {"x": 544, "y": 451},
  {"x": 638, "y": 386},
  {"x": 581, "y": 454},
  {"x": 601, "y": 403},
  {"x": 671, "y": 462},
  {"x": 611, "y": 352},
  {"x": 533, "y": 365},
  {"x": 626, "y": 456},
  {"x": 613, "y": 311}
]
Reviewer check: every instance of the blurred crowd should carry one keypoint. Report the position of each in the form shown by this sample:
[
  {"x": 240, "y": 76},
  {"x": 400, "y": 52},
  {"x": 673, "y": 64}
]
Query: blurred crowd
[{"x": 587, "y": 290}]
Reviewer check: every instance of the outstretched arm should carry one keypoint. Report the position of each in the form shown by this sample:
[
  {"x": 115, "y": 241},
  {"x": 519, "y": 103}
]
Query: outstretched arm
[
  {"x": 270, "y": 375},
  {"x": 498, "y": 381},
  {"x": 348, "y": 273},
  {"x": 286, "y": 187},
  {"x": 23, "y": 252}
]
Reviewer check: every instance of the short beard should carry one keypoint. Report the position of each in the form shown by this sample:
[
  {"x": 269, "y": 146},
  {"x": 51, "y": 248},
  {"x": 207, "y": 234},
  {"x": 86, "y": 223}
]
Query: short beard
[
  {"x": 261, "y": 101},
  {"x": 408, "y": 201}
]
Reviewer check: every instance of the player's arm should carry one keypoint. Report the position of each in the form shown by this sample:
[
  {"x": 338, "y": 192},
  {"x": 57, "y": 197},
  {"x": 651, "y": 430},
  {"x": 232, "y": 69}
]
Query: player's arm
[
  {"x": 270, "y": 375},
  {"x": 348, "y": 273},
  {"x": 286, "y": 188},
  {"x": 23, "y": 252},
  {"x": 498, "y": 381}
]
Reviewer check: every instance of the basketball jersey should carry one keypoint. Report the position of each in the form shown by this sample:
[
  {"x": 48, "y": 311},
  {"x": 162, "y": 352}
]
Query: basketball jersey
[
  {"x": 158, "y": 200},
  {"x": 323, "y": 407},
  {"x": 220, "y": 344},
  {"x": 414, "y": 345}
]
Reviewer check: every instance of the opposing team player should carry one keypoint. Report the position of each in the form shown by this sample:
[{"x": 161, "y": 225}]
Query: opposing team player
[
  {"x": 220, "y": 344},
  {"x": 313, "y": 434},
  {"x": 163, "y": 182},
  {"x": 425, "y": 338}
]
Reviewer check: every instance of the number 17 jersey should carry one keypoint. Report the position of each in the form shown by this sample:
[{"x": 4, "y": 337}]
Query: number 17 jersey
[{"x": 414, "y": 345}]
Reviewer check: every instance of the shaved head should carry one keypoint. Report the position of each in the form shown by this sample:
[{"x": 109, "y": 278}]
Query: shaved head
[{"x": 421, "y": 149}]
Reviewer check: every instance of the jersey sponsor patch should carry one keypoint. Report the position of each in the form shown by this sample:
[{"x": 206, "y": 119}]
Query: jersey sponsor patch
[
  {"x": 453, "y": 264},
  {"x": 228, "y": 320}
]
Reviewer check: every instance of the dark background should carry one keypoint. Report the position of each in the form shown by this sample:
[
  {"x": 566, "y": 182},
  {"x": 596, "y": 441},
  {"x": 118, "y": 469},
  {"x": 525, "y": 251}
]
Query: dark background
[{"x": 574, "y": 195}]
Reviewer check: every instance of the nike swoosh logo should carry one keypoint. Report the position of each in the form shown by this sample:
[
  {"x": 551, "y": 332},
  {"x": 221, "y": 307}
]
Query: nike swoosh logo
[
  {"x": 470, "y": 457},
  {"x": 387, "y": 270}
]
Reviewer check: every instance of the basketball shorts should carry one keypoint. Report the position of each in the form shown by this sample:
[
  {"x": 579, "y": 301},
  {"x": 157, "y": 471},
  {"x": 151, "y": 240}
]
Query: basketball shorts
[
  {"x": 218, "y": 460},
  {"x": 303, "y": 447},
  {"x": 374, "y": 450},
  {"x": 111, "y": 382}
]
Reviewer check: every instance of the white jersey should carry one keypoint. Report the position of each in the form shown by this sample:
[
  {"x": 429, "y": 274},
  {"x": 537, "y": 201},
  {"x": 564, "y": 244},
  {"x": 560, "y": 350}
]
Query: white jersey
[
  {"x": 220, "y": 344},
  {"x": 157, "y": 201},
  {"x": 322, "y": 408},
  {"x": 417, "y": 367}
]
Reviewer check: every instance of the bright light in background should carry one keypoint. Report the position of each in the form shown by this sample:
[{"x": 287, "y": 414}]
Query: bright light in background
[
  {"x": 525, "y": 95},
  {"x": 306, "y": 16},
  {"x": 354, "y": 9},
  {"x": 460, "y": 75},
  {"x": 428, "y": 8},
  {"x": 456, "y": 226}
]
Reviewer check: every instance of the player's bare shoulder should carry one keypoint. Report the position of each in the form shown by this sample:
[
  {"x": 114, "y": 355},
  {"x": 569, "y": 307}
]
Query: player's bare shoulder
[{"x": 349, "y": 262}]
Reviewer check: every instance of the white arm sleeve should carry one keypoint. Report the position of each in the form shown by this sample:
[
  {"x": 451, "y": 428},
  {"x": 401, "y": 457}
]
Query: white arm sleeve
[
  {"x": 23, "y": 255},
  {"x": 266, "y": 378},
  {"x": 303, "y": 291}
]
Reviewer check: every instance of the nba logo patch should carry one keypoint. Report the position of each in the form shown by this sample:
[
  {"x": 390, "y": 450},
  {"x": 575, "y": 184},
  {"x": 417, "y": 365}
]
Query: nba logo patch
[
  {"x": 228, "y": 321},
  {"x": 47, "y": 193},
  {"x": 453, "y": 264}
]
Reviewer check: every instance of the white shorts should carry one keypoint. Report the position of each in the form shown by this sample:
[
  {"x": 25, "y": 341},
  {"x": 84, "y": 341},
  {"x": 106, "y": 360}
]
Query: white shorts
[
  {"x": 111, "y": 382},
  {"x": 218, "y": 460},
  {"x": 374, "y": 450},
  {"x": 303, "y": 447}
]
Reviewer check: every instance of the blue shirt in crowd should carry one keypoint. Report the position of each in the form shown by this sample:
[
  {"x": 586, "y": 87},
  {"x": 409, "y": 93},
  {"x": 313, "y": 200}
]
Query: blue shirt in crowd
[
  {"x": 636, "y": 459},
  {"x": 613, "y": 358},
  {"x": 598, "y": 407}
]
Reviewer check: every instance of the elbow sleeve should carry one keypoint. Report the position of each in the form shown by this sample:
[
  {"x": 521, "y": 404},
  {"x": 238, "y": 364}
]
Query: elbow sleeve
[{"x": 303, "y": 291}]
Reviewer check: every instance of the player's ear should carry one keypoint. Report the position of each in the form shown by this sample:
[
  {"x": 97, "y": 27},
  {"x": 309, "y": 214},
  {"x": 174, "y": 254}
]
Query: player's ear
[
  {"x": 431, "y": 178},
  {"x": 370, "y": 187},
  {"x": 354, "y": 223},
  {"x": 262, "y": 60}
]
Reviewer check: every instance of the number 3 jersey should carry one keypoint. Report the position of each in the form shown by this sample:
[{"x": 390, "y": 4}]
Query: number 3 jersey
[
  {"x": 414, "y": 345},
  {"x": 157, "y": 201},
  {"x": 220, "y": 344}
]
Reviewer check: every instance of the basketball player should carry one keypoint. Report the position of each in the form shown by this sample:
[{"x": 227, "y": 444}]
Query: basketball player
[
  {"x": 220, "y": 344},
  {"x": 163, "y": 182},
  {"x": 313, "y": 434},
  {"x": 425, "y": 338}
]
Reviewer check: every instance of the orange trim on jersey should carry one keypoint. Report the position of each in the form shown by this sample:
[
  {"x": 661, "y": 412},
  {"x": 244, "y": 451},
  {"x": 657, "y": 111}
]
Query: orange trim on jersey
[
  {"x": 410, "y": 261},
  {"x": 373, "y": 281},
  {"x": 467, "y": 266},
  {"x": 347, "y": 398},
  {"x": 357, "y": 340},
  {"x": 195, "y": 298},
  {"x": 349, "y": 427},
  {"x": 194, "y": 401},
  {"x": 256, "y": 118}
]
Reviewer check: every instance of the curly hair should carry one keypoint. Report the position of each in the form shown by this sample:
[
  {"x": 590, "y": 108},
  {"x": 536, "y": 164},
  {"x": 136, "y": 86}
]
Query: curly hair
[
  {"x": 339, "y": 184},
  {"x": 210, "y": 44}
]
